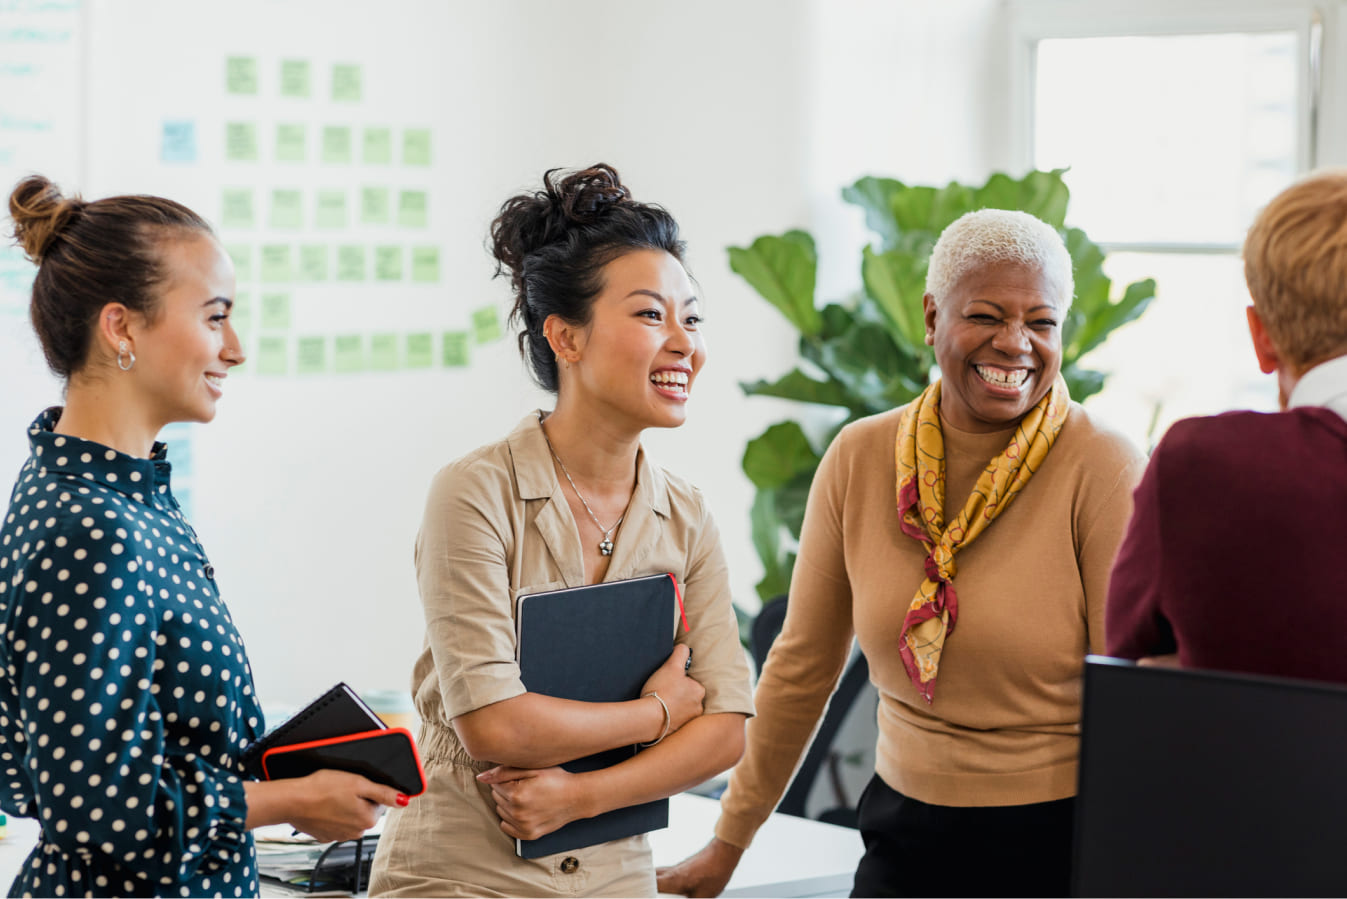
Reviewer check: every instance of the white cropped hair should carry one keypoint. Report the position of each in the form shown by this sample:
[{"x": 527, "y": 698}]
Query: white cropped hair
[{"x": 988, "y": 236}]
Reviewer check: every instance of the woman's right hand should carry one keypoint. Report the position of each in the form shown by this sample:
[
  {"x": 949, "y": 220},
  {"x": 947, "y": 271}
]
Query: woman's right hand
[
  {"x": 338, "y": 805},
  {"x": 681, "y": 693},
  {"x": 704, "y": 874}
]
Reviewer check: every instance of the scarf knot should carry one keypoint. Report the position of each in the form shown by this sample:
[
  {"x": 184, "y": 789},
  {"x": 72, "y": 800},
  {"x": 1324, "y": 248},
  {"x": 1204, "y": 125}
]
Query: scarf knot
[{"x": 920, "y": 459}]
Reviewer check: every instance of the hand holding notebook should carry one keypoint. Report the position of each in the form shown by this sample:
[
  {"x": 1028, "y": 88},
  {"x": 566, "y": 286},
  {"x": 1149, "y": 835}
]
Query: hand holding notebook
[{"x": 338, "y": 730}]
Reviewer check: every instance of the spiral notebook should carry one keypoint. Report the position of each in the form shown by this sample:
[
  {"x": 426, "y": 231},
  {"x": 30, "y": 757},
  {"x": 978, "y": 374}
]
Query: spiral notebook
[
  {"x": 337, "y": 713},
  {"x": 598, "y": 643}
]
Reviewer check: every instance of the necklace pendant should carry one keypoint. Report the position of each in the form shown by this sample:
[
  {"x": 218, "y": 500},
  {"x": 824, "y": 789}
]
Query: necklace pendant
[{"x": 606, "y": 547}]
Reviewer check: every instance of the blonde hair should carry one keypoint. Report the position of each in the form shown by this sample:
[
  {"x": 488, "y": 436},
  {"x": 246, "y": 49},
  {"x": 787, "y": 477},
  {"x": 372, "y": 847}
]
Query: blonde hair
[
  {"x": 989, "y": 236},
  {"x": 1295, "y": 263}
]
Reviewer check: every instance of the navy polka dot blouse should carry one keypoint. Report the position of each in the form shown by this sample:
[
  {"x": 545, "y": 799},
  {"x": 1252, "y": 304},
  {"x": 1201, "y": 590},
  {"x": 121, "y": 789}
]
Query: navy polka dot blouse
[{"x": 125, "y": 694}]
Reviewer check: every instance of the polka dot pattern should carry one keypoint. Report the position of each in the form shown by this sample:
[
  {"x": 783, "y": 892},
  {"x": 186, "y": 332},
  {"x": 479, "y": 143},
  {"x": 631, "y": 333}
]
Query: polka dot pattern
[{"x": 126, "y": 698}]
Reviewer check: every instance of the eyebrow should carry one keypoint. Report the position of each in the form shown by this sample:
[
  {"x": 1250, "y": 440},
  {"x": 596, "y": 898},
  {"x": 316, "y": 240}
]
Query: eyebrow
[
  {"x": 1000, "y": 308},
  {"x": 224, "y": 301},
  {"x": 655, "y": 294}
]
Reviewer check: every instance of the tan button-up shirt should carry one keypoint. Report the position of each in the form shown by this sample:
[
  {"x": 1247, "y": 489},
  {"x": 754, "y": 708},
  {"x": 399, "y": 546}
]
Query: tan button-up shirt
[{"x": 498, "y": 526}]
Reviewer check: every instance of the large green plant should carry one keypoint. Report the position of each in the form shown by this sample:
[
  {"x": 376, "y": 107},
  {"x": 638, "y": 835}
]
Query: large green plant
[{"x": 868, "y": 354}]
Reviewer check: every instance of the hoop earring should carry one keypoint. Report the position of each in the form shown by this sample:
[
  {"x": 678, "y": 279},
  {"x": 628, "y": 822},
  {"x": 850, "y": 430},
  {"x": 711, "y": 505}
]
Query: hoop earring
[{"x": 125, "y": 351}]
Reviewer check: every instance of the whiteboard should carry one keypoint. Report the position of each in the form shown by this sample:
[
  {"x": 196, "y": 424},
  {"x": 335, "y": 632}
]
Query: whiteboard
[{"x": 421, "y": 116}]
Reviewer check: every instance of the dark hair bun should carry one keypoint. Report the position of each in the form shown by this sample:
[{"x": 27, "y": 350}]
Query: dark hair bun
[
  {"x": 529, "y": 222},
  {"x": 40, "y": 214}
]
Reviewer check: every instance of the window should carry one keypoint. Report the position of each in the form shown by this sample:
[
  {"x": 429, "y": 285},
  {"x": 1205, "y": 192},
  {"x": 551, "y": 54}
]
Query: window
[{"x": 1175, "y": 129}]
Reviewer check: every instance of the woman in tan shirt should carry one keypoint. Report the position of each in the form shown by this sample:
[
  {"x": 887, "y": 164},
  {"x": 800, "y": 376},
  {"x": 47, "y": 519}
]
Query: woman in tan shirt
[
  {"x": 991, "y": 502},
  {"x": 609, "y": 322}
]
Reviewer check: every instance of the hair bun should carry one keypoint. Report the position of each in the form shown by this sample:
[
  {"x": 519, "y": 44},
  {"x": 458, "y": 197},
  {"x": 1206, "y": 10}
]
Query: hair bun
[
  {"x": 584, "y": 195},
  {"x": 528, "y": 222},
  {"x": 40, "y": 213}
]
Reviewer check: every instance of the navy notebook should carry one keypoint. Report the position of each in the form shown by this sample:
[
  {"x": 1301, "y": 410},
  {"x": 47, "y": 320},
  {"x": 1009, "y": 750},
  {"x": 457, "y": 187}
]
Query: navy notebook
[{"x": 598, "y": 643}]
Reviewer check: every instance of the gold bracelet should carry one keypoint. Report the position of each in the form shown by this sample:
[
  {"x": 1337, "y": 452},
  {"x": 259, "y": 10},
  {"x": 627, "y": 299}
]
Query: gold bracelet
[{"x": 667, "y": 720}]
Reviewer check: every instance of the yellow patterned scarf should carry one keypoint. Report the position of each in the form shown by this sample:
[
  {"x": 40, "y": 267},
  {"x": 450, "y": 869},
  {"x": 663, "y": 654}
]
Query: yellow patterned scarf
[{"x": 921, "y": 505}]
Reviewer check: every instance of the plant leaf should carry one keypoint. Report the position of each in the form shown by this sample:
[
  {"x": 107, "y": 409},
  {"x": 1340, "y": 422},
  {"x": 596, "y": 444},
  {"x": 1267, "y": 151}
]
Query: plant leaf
[
  {"x": 874, "y": 195},
  {"x": 1082, "y": 383},
  {"x": 783, "y": 270},
  {"x": 796, "y": 385},
  {"x": 1042, "y": 194},
  {"x": 896, "y": 281},
  {"x": 778, "y": 454}
]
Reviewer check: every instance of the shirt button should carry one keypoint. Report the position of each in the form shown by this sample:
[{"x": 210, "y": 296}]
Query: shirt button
[
  {"x": 210, "y": 572},
  {"x": 570, "y": 864}
]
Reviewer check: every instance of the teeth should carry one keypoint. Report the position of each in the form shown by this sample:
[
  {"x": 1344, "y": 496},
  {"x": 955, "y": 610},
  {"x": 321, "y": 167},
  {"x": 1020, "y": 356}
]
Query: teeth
[
  {"x": 679, "y": 378},
  {"x": 1002, "y": 378},
  {"x": 215, "y": 379}
]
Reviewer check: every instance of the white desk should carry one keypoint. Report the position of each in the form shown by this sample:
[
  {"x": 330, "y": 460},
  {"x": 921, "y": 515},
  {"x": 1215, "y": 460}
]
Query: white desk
[{"x": 789, "y": 857}]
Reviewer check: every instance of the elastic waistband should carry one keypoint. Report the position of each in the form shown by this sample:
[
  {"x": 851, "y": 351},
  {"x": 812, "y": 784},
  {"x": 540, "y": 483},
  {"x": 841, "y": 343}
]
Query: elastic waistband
[{"x": 440, "y": 744}]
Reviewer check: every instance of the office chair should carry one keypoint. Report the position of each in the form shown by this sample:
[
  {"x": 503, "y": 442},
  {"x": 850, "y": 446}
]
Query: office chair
[{"x": 762, "y": 633}]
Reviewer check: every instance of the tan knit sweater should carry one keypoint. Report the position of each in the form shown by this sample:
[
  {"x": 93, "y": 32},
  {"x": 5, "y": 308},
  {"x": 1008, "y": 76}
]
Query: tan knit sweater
[{"x": 1003, "y": 729}]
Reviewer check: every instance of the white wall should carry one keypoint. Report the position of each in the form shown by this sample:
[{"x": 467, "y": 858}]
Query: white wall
[{"x": 743, "y": 118}]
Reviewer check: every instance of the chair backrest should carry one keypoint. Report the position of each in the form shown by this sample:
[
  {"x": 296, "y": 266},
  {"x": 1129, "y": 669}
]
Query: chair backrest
[
  {"x": 1197, "y": 783},
  {"x": 764, "y": 630}
]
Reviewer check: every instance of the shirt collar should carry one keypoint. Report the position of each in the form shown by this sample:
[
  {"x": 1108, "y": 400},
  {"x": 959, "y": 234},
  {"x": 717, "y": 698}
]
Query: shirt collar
[
  {"x": 91, "y": 461},
  {"x": 537, "y": 479},
  {"x": 1324, "y": 385}
]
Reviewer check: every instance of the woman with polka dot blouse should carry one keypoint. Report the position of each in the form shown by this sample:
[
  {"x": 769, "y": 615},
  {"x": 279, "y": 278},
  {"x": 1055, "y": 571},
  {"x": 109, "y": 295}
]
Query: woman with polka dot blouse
[{"x": 126, "y": 697}]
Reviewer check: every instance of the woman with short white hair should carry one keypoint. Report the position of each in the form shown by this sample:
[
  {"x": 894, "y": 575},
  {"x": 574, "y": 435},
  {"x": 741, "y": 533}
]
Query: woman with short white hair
[{"x": 965, "y": 540}]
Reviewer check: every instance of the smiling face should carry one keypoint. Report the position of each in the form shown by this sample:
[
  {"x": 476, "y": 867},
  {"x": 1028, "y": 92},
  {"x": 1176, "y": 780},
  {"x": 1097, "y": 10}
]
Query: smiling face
[
  {"x": 638, "y": 357},
  {"x": 185, "y": 350},
  {"x": 998, "y": 341}
]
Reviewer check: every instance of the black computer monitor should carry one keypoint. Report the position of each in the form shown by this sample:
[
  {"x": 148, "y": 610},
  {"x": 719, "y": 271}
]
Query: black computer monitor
[{"x": 1199, "y": 783}]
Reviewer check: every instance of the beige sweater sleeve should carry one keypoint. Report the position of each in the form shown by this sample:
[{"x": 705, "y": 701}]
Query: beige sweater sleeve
[{"x": 805, "y": 662}]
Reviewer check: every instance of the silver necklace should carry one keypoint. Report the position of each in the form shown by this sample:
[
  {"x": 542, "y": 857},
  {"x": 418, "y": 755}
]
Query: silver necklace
[{"x": 606, "y": 544}]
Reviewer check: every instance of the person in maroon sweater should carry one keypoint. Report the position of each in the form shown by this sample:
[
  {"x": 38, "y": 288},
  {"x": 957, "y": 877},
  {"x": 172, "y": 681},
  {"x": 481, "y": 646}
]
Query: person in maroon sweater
[{"x": 1232, "y": 560}]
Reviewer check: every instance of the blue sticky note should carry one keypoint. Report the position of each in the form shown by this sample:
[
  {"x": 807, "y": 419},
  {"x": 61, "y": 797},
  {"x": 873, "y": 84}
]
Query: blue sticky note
[{"x": 179, "y": 142}]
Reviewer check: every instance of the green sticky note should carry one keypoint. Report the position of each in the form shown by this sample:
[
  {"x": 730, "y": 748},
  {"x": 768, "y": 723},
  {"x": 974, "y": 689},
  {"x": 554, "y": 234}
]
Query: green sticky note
[
  {"x": 346, "y": 83},
  {"x": 237, "y": 208},
  {"x": 311, "y": 355},
  {"x": 416, "y": 146},
  {"x": 348, "y": 353},
  {"x": 272, "y": 356},
  {"x": 378, "y": 146},
  {"x": 331, "y": 209},
  {"x": 241, "y": 141},
  {"x": 375, "y": 206},
  {"x": 276, "y": 263},
  {"x": 336, "y": 143},
  {"x": 241, "y": 75},
  {"x": 242, "y": 254},
  {"x": 287, "y": 209},
  {"x": 454, "y": 350},
  {"x": 294, "y": 78},
  {"x": 388, "y": 263},
  {"x": 412, "y": 208},
  {"x": 350, "y": 263},
  {"x": 241, "y": 313},
  {"x": 426, "y": 264},
  {"x": 383, "y": 352},
  {"x": 290, "y": 139},
  {"x": 420, "y": 351},
  {"x": 275, "y": 311},
  {"x": 486, "y": 324},
  {"x": 313, "y": 262}
]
